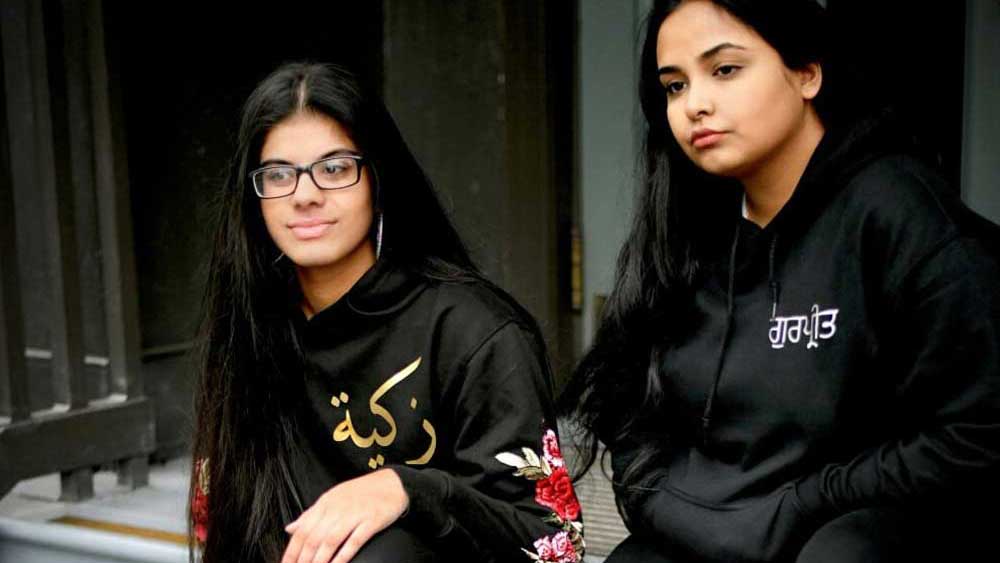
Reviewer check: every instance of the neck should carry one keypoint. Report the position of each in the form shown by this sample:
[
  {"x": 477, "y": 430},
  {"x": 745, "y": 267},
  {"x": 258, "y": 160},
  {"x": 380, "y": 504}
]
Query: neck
[
  {"x": 323, "y": 286},
  {"x": 770, "y": 187}
]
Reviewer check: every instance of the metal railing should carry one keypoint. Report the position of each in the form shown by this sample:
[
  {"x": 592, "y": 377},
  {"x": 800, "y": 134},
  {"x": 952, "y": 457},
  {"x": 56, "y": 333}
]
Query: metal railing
[{"x": 60, "y": 144}]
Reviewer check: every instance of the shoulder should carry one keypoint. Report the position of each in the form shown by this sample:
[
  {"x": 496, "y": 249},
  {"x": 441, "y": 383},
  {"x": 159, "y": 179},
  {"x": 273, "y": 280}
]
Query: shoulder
[
  {"x": 903, "y": 208},
  {"x": 909, "y": 213},
  {"x": 901, "y": 191},
  {"x": 485, "y": 341},
  {"x": 471, "y": 314}
]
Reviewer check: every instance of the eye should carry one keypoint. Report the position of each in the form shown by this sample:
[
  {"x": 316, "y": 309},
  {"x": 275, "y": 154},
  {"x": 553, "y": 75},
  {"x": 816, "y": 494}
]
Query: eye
[
  {"x": 726, "y": 70},
  {"x": 336, "y": 167},
  {"x": 333, "y": 166},
  {"x": 278, "y": 175},
  {"x": 673, "y": 87}
]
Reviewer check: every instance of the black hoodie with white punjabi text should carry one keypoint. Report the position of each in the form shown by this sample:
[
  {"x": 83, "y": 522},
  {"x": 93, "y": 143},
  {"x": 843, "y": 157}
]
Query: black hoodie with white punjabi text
[{"x": 843, "y": 357}]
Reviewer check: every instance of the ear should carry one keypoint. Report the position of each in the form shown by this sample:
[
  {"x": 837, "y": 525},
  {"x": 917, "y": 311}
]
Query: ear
[{"x": 810, "y": 80}]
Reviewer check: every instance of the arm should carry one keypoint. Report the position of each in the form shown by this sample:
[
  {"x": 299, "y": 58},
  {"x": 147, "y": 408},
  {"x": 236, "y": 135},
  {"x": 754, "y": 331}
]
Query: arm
[
  {"x": 630, "y": 497},
  {"x": 503, "y": 406},
  {"x": 948, "y": 327}
]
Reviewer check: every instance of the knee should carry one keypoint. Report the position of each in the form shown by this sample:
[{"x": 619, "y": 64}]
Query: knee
[
  {"x": 863, "y": 536},
  {"x": 635, "y": 550},
  {"x": 395, "y": 545}
]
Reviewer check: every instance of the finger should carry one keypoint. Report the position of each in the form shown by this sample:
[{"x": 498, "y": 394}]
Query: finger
[
  {"x": 332, "y": 538},
  {"x": 325, "y": 551},
  {"x": 295, "y": 545},
  {"x": 323, "y": 539},
  {"x": 311, "y": 543},
  {"x": 297, "y": 523},
  {"x": 354, "y": 542},
  {"x": 293, "y": 549},
  {"x": 326, "y": 537}
]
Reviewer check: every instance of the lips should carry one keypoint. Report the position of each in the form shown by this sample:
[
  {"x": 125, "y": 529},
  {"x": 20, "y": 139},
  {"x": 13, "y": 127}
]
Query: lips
[
  {"x": 310, "y": 228},
  {"x": 704, "y": 138}
]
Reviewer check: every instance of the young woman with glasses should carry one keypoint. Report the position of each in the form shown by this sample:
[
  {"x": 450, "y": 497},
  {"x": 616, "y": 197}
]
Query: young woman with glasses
[
  {"x": 800, "y": 359},
  {"x": 365, "y": 394}
]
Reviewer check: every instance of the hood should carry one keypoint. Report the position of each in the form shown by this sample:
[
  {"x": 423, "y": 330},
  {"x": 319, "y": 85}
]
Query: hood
[
  {"x": 385, "y": 288},
  {"x": 841, "y": 153}
]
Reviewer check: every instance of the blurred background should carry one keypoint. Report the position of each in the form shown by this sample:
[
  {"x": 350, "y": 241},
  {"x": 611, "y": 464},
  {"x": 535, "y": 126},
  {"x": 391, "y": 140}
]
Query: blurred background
[{"x": 118, "y": 119}]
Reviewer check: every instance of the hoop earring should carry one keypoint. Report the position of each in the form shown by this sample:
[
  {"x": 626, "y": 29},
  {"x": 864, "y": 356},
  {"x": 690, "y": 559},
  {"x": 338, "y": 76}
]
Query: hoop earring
[
  {"x": 278, "y": 259},
  {"x": 378, "y": 238}
]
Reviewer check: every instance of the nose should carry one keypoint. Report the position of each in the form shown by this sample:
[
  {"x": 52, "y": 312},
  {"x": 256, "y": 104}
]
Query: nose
[
  {"x": 698, "y": 102},
  {"x": 306, "y": 192}
]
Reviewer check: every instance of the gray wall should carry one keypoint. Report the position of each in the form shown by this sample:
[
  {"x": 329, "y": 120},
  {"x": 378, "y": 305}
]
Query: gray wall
[
  {"x": 608, "y": 139},
  {"x": 981, "y": 150}
]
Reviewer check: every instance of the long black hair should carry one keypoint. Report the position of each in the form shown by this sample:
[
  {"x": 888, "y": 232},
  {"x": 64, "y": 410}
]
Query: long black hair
[
  {"x": 249, "y": 366},
  {"x": 615, "y": 394}
]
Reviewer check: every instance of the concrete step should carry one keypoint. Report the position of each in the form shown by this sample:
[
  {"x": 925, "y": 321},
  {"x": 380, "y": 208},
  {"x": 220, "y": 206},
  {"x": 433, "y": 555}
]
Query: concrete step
[
  {"x": 117, "y": 525},
  {"x": 43, "y": 542}
]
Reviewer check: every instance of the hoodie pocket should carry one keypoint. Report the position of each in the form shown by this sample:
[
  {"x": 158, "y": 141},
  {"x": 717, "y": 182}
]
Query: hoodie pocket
[{"x": 768, "y": 528}]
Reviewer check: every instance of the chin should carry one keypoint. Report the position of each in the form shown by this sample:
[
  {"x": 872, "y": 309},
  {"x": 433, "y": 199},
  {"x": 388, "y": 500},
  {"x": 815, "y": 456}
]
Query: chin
[
  {"x": 716, "y": 161},
  {"x": 314, "y": 259},
  {"x": 321, "y": 253},
  {"x": 719, "y": 167}
]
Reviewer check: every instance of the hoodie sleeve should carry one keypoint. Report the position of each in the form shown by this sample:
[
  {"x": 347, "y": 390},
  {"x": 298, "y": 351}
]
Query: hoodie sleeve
[
  {"x": 507, "y": 492},
  {"x": 947, "y": 327}
]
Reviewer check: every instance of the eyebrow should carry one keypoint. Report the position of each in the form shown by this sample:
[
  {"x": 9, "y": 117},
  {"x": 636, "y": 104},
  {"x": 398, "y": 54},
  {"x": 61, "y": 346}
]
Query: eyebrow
[
  {"x": 337, "y": 152},
  {"x": 704, "y": 56}
]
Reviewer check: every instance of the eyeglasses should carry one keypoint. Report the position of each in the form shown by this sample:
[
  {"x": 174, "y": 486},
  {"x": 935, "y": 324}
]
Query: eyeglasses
[{"x": 333, "y": 173}]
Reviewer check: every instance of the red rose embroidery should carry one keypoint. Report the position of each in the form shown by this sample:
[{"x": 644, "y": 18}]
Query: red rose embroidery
[
  {"x": 199, "y": 504},
  {"x": 557, "y": 549},
  {"x": 550, "y": 449},
  {"x": 556, "y": 492},
  {"x": 199, "y": 513},
  {"x": 553, "y": 490}
]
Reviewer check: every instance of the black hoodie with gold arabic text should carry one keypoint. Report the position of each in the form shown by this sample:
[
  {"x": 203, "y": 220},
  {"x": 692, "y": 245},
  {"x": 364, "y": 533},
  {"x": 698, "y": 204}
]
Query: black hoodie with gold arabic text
[{"x": 447, "y": 384}]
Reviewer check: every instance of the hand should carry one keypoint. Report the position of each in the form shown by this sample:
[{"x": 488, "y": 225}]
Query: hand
[{"x": 345, "y": 518}]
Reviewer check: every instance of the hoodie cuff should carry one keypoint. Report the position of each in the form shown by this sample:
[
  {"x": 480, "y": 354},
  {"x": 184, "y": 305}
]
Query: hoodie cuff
[
  {"x": 810, "y": 500},
  {"x": 427, "y": 490}
]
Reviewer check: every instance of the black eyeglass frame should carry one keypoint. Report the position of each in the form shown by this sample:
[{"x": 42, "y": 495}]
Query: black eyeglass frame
[{"x": 360, "y": 161}]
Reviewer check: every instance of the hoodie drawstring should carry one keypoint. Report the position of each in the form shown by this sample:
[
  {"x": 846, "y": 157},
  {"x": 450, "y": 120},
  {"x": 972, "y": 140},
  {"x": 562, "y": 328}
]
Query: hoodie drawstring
[
  {"x": 775, "y": 287},
  {"x": 771, "y": 280},
  {"x": 706, "y": 417}
]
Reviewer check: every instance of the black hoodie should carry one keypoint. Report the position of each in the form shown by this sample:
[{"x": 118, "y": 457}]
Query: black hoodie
[
  {"x": 845, "y": 356},
  {"x": 434, "y": 380}
]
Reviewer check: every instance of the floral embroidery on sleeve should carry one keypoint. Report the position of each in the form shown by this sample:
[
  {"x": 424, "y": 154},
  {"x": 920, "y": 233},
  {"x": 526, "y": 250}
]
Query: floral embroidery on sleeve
[
  {"x": 553, "y": 490},
  {"x": 199, "y": 504}
]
